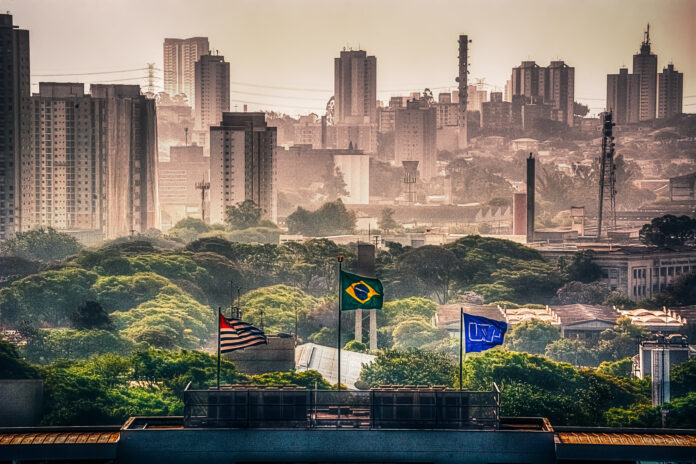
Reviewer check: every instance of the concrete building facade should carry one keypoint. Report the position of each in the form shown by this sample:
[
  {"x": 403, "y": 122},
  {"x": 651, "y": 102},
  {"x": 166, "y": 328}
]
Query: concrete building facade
[
  {"x": 62, "y": 174},
  {"x": 212, "y": 90},
  {"x": 15, "y": 89},
  {"x": 553, "y": 85},
  {"x": 180, "y": 56},
  {"x": 243, "y": 164},
  {"x": 671, "y": 92},
  {"x": 179, "y": 197},
  {"x": 355, "y": 87},
  {"x": 91, "y": 165},
  {"x": 623, "y": 96},
  {"x": 130, "y": 189},
  {"x": 415, "y": 136}
]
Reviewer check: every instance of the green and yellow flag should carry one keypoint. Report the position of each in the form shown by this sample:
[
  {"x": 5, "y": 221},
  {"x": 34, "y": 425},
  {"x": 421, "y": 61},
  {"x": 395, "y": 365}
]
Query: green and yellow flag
[{"x": 358, "y": 292}]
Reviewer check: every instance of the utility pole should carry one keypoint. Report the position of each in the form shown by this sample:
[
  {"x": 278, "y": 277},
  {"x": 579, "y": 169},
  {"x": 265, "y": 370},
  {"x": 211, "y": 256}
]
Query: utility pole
[{"x": 203, "y": 186}]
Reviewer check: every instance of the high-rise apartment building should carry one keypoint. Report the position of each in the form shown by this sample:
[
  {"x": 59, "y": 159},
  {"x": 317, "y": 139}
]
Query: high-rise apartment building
[
  {"x": 623, "y": 96},
  {"x": 180, "y": 56},
  {"x": 415, "y": 136},
  {"x": 671, "y": 88},
  {"x": 62, "y": 174},
  {"x": 553, "y": 85},
  {"x": 92, "y": 161},
  {"x": 130, "y": 159},
  {"x": 15, "y": 89},
  {"x": 242, "y": 164},
  {"x": 355, "y": 87},
  {"x": 559, "y": 91},
  {"x": 645, "y": 65},
  {"x": 212, "y": 90},
  {"x": 496, "y": 113},
  {"x": 527, "y": 80}
]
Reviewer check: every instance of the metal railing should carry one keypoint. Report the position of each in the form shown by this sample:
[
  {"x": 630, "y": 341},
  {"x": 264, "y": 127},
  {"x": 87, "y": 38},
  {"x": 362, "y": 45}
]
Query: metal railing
[{"x": 379, "y": 408}]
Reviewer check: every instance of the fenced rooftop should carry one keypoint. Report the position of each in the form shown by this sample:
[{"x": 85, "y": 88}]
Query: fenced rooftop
[{"x": 385, "y": 407}]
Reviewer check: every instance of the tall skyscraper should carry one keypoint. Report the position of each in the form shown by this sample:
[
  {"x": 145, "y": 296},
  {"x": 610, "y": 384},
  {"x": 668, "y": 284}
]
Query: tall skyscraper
[
  {"x": 212, "y": 90},
  {"x": 553, "y": 85},
  {"x": 180, "y": 56},
  {"x": 130, "y": 163},
  {"x": 355, "y": 88},
  {"x": 415, "y": 136},
  {"x": 63, "y": 173},
  {"x": 559, "y": 90},
  {"x": 671, "y": 88},
  {"x": 645, "y": 64},
  {"x": 527, "y": 80},
  {"x": 242, "y": 164},
  {"x": 15, "y": 130},
  {"x": 623, "y": 96}
]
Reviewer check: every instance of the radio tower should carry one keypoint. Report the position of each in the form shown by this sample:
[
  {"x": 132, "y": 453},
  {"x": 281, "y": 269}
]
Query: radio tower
[
  {"x": 607, "y": 177},
  {"x": 151, "y": 78},
  {"x": 462, "y": 79}
]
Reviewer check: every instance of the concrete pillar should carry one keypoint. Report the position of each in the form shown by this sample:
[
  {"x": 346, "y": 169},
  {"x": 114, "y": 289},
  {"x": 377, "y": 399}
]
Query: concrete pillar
[
  {"x": 373, "y": 329},
  {"x": 358, "y": 324},
  {"x": 366, "y": 267},
  {"x": 519, "y": 214},
  {"x": 531, "y": 186}
]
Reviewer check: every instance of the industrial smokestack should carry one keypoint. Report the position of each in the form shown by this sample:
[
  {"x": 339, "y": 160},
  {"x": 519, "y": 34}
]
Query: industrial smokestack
[{"x": 531, "y": 180}]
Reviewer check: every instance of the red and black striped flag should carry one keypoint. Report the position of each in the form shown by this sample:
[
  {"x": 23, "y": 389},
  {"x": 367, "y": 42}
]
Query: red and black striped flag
[{"x": 237, "y": 335}]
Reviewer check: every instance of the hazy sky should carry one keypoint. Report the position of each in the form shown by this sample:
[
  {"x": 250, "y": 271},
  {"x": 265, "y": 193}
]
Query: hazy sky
[{"x": 292, "y": 43}]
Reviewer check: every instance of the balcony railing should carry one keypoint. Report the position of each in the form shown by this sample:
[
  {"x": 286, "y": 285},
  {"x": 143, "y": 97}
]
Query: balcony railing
[{"x": 402, "y": 407}]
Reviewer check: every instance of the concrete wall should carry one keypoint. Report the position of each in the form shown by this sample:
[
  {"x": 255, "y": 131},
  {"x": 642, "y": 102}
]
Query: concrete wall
[
  {"x": 21, "y": 402},
  {"x": 331, "y": 445},
  {"x": 277, "y": 355}
]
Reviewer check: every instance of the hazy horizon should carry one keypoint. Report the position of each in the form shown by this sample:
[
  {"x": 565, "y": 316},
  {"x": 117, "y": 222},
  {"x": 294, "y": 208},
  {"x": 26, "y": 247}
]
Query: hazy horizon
[{"x": 293, "y": 44}]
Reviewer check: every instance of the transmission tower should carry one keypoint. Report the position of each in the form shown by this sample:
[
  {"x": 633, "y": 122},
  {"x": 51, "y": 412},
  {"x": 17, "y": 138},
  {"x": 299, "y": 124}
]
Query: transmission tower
[
  {"x": 151, "y": 78},
  {"x": 607, "y": 177},
  {"x": 203, "y": 186}
]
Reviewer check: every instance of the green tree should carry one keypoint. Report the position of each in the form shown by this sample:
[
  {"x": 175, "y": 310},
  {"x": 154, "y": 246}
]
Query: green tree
[
  {"x": 619, "y": 300},
  {"x": 12, "y": 366},
  {"x": 669, "y": 230},
  {"x": 432, "y": 266},
  {"x": 581, "y": 293},
  {"x": 188, "y": 229},
  {"x": 56, "y": 344},
  {"x": 410, "y": 367},
  {"x": 386, "y": 221},
  {"x": 531, "y": 336},
  {"x": 90, "y": 315},
  {"x": 533, "y": 385},
  {"x": 414, "y": 333},
  {"x": 331, "y": 218},
  {"x": 573, "y": 351},
  {"x": 354, "y": 345},
  {"x": 307, "y": 379},
  {"x": 683, "y": 378},
  {"x": 243, "y": 216},
  {"x": 44, "y": 245},
  {"x": 622, "y": 368},
  {"x": 493, "y": 292},
  {"x": 333, "y": 184},
  {"x": 582, "y": 267}
]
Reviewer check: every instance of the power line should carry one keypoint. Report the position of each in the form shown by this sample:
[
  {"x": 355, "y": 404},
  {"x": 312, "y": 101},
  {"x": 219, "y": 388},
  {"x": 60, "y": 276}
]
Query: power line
[
  {"x": 89, "y": 73},
  {"x": 277, "y": 96},
  {"x": 281, "y": 106}
]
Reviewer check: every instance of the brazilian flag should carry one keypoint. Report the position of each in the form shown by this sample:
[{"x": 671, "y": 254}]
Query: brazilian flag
[{"x": 358, "y": 292}]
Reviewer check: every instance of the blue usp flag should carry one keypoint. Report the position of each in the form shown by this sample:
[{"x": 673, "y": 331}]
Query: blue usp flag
[{"x": 481, "y": 333}]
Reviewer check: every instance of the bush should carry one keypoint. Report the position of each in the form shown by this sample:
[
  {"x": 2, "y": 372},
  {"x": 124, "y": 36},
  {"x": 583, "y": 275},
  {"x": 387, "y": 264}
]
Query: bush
[
  {"x": 415, "y": 332},
  {"x": 410, "y": 367}
]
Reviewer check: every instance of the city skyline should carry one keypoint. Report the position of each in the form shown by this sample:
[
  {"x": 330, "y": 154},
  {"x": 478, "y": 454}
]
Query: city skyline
[{"x": 500, "y": 31}]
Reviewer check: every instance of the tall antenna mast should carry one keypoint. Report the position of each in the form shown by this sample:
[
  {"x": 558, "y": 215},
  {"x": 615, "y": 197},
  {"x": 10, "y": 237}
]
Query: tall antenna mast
[
  {"x": 203, "y": 186},
  {"x": 151, "y": 78},
  {"x": 607, "y": 176}
]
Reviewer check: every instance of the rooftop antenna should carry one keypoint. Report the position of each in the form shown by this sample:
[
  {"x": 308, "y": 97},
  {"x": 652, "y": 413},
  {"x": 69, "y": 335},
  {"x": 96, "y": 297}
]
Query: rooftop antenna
[{"x": 607, "y": 175}]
